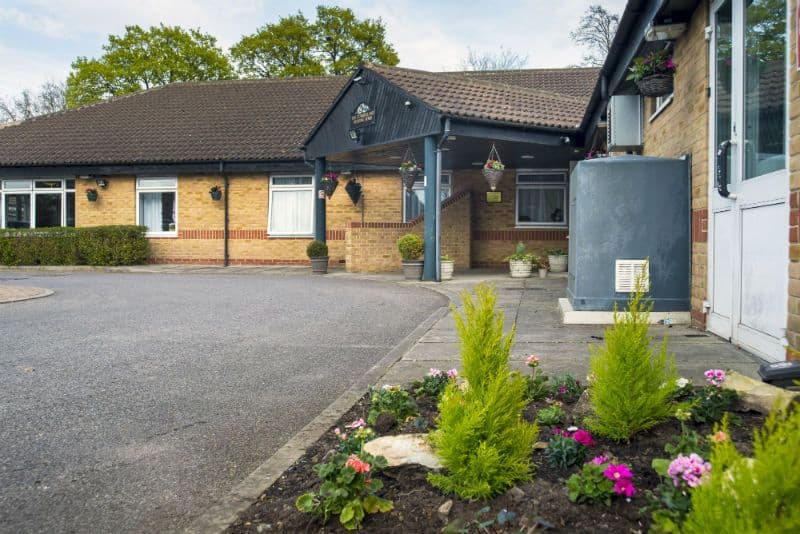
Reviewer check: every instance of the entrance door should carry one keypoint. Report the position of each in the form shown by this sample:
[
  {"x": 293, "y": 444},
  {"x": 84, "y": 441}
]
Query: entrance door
[{"x": 748, "y": 245}]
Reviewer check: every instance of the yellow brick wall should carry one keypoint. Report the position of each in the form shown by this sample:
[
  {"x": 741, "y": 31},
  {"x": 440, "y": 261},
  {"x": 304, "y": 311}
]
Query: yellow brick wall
[
  {"x": 793, "y": 327},
  {"x": 115, "y": 204},
  {"x": 682, "y": 128}
]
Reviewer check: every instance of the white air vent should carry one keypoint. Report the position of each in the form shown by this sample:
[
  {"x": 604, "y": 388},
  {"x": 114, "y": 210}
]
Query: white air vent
[{"x": 626, "y": 273}]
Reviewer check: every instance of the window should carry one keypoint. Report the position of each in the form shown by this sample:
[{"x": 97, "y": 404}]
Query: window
[
  {"x": 157, "y": 205},
  {"x": 37, "y": 203},
  {"x": 542, "y": 198},
  {"x": 414, "y": 200},
  {"x": 659, "y": 103},
  {"x": 291, "y": 206}
]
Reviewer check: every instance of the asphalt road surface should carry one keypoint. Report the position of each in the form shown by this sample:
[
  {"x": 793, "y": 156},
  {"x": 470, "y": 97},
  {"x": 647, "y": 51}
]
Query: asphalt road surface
[{"x": 131, "y": 402}]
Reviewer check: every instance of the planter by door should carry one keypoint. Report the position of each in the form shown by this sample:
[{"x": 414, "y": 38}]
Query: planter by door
[
  {"x": 319, "y": 265},
  {"x": 447, "y": 269},
  {"x": 656, "y": 85},
  {"x": 558, "y": 264},
  {"x": 520, "y": 268},
  {"x": 542, "y": 273},
  {"x": 216, "y": 195},
  {"x": 412, "y": 269}
]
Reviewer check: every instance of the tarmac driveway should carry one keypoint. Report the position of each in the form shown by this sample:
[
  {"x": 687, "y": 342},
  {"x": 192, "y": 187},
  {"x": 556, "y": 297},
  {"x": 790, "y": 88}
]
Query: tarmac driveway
[{"x": 132, "y": 402}]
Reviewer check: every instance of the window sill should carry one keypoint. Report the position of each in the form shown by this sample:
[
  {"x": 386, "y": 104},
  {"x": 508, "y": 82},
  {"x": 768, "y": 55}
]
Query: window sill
[
  {"x": 542, "y": 227},
  {"x": 165, "y": 235},
  {"x": 290, "y": 236}
]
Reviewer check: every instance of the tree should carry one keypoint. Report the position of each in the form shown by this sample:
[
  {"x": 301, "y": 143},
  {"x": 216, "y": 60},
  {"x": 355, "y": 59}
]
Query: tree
[
  {"x": 335, "y": 44},
  {"x": 49, "y": 99},
  {"x": 595, "y": 33},
  {"x": 503, "y": 60},
  {"x": 275, "y": 50},
  {"x": 141, "y": 59}
]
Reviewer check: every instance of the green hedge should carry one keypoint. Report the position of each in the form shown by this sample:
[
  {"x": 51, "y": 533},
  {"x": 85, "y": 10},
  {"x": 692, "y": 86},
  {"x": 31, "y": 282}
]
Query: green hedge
[{"x": 98, "y": 245}]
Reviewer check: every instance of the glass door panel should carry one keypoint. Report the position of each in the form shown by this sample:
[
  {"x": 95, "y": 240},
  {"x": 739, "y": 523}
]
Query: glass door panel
[
  {"x": 18, "y": 210},
  {"x": 48, "y": 210},
  {"x": 723, "y": 49}
]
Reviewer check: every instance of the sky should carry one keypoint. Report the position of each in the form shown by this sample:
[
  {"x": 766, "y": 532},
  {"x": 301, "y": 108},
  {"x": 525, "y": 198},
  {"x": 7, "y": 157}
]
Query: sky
[{"x": 39, "y": 39}]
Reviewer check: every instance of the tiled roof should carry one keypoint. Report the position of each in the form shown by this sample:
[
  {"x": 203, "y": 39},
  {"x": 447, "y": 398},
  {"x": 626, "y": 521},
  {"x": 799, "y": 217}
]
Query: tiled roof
[
  {"x": 577, "y": 81},
  {"x": 236, "y": 120},
  {"x": 467, "y": 96}
]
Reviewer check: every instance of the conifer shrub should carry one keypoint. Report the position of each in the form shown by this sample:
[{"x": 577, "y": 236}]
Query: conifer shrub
[
  {"x": 484, "y": 443},
  {"x": 633, "y": 385},
  {"x": 759, "y": 494}
]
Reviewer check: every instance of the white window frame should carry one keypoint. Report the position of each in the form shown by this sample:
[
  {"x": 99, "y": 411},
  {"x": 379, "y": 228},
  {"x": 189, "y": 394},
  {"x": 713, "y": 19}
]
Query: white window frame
[
  {"x": 32, "y": 191},
  {"x": 541, "y": 185},
  {"x": 419, "y": 185},
  {"x": 142, "y": 187},
  {"x": 297, "y": 187},
  {"x": 661, "y": 103}
]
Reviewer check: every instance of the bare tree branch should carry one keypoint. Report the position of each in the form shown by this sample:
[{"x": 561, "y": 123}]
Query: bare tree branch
[
  {"x": 503, "y": 60},
  {"x": 26, "y": 105},
  {"x": 595, "y": 32}
]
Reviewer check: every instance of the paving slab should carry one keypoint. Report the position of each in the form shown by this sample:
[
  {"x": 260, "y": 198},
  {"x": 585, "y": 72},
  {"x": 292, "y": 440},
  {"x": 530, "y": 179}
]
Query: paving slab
[{"x": 20, "y": 293}]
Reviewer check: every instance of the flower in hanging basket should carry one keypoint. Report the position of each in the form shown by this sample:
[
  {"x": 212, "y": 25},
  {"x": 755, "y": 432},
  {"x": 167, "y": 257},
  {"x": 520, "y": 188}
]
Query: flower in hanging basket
[
  {"x": 330, "y": 177},
  {"x": 216, "y": 192},
  {"x": 91, "y": 194},
  {"x": 409, "y": 166},
  {"x": 494, "y": 164},
  {"x": 597, "y": 153},
  {"x": 654, "y": 63},
  {"x": 329, "y": 182}
]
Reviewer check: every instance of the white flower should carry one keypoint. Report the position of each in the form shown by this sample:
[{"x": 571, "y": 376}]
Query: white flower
[{"x": 682, "y": 382}]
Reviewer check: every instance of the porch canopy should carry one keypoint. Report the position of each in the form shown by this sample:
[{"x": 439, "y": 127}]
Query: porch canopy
[{"x": 535, "y": 118}]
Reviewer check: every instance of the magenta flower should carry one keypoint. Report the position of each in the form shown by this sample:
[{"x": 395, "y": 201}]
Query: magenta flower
[
  {"x": 600, "y": 460},
  {"x": 669, "y": 64},
  {"x": 715, "y": 377},
  {"x": 625, "y": 487},
  {"x": 562, "y": 390},
  {"x": 358, "y": 423},
  {"x": 584, "y": 438},
  {"x": 563, "y": 433},
  {"x": 452, "y": 373},
  {"x": 617, "y": 472}
]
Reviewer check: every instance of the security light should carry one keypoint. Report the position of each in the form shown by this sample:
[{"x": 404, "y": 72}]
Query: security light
[
  {"x": 353, "y": 133},
  {"x": 527, "y": 156},
  {"x": 101, "y": 182}
]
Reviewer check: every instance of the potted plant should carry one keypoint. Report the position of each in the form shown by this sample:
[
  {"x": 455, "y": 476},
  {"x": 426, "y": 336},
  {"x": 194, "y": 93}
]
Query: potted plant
[
  {"x": 411, "y": 247},
  {"x": 318, "y": 255},
  {"x": 329, "y": 182},
  {"x": 653, "y": 73},
  {"x": 557, "y": 259},
  {"x": 216, "y": 192},
  {"x": 91, "y": 194},
  {"x": 409, "y": 170},
  {"x": 520, "y": 263},
  {"x": 493, "y": 172},
  {"x": 541, "y": 264},
  {"x": 447, "y": 267}
]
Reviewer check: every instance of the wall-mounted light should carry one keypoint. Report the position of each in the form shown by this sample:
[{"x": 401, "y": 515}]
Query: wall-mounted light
[
  {"x": 408, "y": 104},
  {"x": 566, "y": 140},
  {"x": 353, "y": 134},
  {"x": 100, "y": 181},
  {"x": 359, "y": 80}
]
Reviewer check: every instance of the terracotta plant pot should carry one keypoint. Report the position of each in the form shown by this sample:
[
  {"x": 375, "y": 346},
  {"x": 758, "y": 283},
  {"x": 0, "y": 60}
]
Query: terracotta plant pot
[
  {"x": 412, "y": 269},
  {"x": 520, "y": 268},
  {"x": 447, "y": 269},
  {"x": 319, "y": 265}
]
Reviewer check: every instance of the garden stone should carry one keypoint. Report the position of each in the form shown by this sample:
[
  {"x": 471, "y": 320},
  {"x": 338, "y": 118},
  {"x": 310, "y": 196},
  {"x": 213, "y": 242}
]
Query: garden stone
[
  {"x": 515, "y": 494},
  {"x": 756, "y": 395},
  {"x": 444, "y": 510},
  {"x": 404, "y": 449},
  {"x": 582, "y": 408},
  {"x": 384, "y": 423}
]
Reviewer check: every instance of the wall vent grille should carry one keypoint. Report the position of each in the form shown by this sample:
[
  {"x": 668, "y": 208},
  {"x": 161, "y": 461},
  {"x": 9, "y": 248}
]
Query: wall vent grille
[{"x": 626, "y": 273}]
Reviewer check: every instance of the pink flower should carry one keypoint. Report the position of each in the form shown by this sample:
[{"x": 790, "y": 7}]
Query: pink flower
[
  {"x": 452, "y": 373},
  {"x": 719, "y": 437},
  {"x": 584, "y": 438},
  {"x": 669, "y": 64},
  {"x": 435, "y": 373},
  {"x": 532, "y": 361},
  {"x": 358, "y": 423},
  {"x": 625, "y": 487},
  {"x": 690, "y": 469},
  {"x": 617, "y": 472},
  {"x": 562, "y": 390},
  {"x": 339, "y": 434},
  {"x": 715, "y": 377},
  {"x": 600, "y": 460},
  {"x": 356, "y": 463},
  {"x": 558, "y": 432}
]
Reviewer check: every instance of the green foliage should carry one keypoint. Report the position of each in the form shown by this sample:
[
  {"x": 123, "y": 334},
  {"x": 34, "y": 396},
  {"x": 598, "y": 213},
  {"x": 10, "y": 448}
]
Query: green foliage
[
  {"x": 352, "y": 441},
  {"x": 317, "y": 249},
  {"x": 657, "y": 62},
  {"x": 563, "y": 452},
  {"x": 432, "y": 385},
  {"x": 411, "y": 246},
  {"x": 98, "y": 245},
  {"x": 335, "y": 44},
  {"x": 711, "y": 403},
  {"x": 481, "y": 522},
  {"x": 688, "y": 442},
  {"x": 482, "y": 439},
  {"x": 347, "y": 491},
  {"x": 391, "y": 399},
  {"x": 141, "y": 59},
  {"x": 565, "y": 388},
  {"x": 550, "y": 416},
  {"x": 520, "y": 254},
  {"x": 633, "y": 386},
  {"x": 537, "y": 387},
  {"x": 590, "y": 485},
  {"x": 761, "y": 494},
  {"x": 669, "y": 503}
]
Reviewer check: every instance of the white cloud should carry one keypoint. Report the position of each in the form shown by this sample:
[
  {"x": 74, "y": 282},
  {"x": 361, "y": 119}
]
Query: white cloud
[{"x": 28, "y": 70}]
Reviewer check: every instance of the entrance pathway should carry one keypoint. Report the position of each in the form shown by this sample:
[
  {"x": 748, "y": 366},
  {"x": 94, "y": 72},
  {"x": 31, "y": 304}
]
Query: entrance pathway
[{"x": 533, "y": 304}]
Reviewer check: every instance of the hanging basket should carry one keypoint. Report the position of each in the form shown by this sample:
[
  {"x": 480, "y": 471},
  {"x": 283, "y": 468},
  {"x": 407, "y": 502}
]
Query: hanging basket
[
  {"x": 329, "y": 186},
  {"x": 91, "y": 196},
  {"x": 409, "y": 177},
  {"x": 656, "y": 85},
  {"x": 410, "y": 169},
  {"x": 353, "y": 190},
  {"x": 492, "y": 174}
]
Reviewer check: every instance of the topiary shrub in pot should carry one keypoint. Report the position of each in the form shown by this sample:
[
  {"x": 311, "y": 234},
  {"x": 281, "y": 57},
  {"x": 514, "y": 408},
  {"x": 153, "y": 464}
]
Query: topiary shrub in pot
[
  {"x": 520, "y": 263},
  {"x": 411, "y": 247},
  {"x": 318, "y": 255}
]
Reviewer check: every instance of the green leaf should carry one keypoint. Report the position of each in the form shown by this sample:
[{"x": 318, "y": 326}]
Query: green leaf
[
  {"x": 660, "y": 466},
  {"x": 306, "y": 502}
]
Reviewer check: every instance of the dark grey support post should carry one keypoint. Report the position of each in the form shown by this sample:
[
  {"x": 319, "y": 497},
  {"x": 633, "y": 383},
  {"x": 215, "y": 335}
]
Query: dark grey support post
[
  {"x": 319, "y": 203},
  {"x": 431, "y": 258}
]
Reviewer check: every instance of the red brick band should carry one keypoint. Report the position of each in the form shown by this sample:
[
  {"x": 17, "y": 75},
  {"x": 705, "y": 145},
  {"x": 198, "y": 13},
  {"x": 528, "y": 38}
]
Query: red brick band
[{"x": 520, "y": 235}]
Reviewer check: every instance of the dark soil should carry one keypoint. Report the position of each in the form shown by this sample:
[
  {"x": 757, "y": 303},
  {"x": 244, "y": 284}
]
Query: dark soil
[{"x": 544, "y": 505}]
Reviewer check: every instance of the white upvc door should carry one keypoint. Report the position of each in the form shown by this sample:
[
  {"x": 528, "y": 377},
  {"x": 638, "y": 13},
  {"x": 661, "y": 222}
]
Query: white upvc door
[{"x": 748, "y": 248}]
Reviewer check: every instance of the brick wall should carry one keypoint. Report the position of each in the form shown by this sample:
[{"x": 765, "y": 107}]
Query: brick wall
[
  {"x": 682, "y": 128},
  {"x": 793, "y": 327},
  {"x": 115, "y": 204},
  {"x": 371, "y": 246}
]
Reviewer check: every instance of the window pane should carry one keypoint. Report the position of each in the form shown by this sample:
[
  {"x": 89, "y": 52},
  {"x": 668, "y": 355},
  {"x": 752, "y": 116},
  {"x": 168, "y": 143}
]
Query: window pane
[
  {"x": 158, "y": 183},
  {"x": 157, "y": 211},
  {"x": 48, "y": 210},
  {"x": 70, "y": 209},
  {"x": 292, "y": 180},
  {"x": 291, "y": 212},
  {"x": 724, "y": 79},
  {"x": 18, "y": 211},
  {"x": 16, "y": 184},
  {"x": 765, "y": 87},
  {"x": 47, "y": 184},
  {"x": 541, "y": 205},
  {"x": 541, "y": 178},
  {"x": 415, "y": 203},
  {"x": 70, "y": 184}
]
